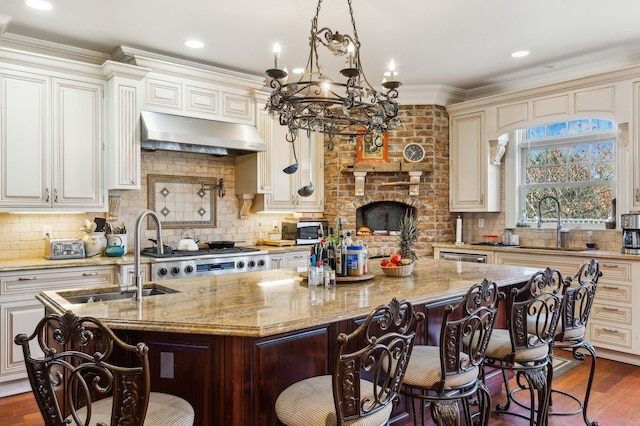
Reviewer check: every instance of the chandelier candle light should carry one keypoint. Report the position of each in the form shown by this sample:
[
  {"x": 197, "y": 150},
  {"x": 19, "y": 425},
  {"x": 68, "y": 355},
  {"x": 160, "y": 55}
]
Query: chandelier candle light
[{"x": 317, "y": 103}]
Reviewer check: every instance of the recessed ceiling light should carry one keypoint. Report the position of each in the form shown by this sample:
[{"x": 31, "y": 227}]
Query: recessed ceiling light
[
  {"x": 520, "y": 54},
  {"x": 194, "y": 44},
  {"x": 39, "y": 4}
]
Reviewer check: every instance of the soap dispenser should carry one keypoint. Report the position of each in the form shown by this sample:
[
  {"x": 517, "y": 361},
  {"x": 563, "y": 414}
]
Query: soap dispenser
[{"x": 590, "y": 243}]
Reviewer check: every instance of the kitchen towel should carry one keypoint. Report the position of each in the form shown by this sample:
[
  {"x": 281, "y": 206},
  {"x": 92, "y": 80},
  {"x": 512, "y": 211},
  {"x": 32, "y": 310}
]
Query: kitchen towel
[{"x": 459, "y": 230}]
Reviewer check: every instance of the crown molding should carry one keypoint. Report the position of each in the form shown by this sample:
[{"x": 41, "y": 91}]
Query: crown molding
[
  {"x": 184, "y": 68},
  {"x": 432, "y": 94}
]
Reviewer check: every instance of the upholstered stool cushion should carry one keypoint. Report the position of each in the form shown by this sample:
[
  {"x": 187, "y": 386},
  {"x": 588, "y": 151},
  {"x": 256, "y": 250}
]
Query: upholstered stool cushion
[
  {"x": 499, "y": 348},
  {"x": 424, "y": 369},
  {"x": 310, "y": 402},
  {"x": 163, "y": 410},
  {"x": 571, "y": 334}
]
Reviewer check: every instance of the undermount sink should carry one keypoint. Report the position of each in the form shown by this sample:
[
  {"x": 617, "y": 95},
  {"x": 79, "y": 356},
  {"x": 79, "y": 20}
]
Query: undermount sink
[
  {"x": 551, "y": 248},
  {"x": 93, "y": 297}
]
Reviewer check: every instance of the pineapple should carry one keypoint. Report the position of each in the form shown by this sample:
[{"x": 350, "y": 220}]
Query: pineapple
[{"x": 408, "y": 230}]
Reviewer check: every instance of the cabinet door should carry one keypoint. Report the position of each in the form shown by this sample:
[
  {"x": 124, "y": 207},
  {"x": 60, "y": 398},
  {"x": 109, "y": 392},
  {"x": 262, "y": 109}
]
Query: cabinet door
[
  {"x": 284, "y": 187},
  {"x": 633, "y": 160},
  {"x": 315, "y": 202},
  {"x": 16, "y": 318},
  {"x": 123, "y": 143},
  {"x": 284, "y": 195},
  {"x": 25, "y": 140},
  {"x": 127, "y": 274},
  {"x": 474, "y": 183},
  {"x": 276, "y": 261},
  {"x": 78, "y": 153}
]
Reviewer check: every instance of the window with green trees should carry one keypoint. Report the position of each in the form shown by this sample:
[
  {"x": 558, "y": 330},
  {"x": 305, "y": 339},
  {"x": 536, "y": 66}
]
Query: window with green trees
[{"x": 573, "y": 161}]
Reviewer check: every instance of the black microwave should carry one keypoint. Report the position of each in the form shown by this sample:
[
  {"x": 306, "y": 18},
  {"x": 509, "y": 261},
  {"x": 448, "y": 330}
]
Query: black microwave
[{"x": 303, "y": 232}]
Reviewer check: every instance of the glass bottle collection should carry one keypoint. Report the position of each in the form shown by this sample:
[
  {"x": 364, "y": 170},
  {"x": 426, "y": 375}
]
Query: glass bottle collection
[{"x": 337, "y": 256}]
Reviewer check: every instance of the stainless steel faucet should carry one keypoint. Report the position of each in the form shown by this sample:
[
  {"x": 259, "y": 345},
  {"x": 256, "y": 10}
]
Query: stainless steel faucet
[
  {"x": 136, "y": 286},
  {"x": 559, "y": 228}
]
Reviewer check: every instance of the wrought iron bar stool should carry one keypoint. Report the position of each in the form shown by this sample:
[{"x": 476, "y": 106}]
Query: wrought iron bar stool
[
  {"x": 445, "y": 374},
  {"x": 570, "y": 334},
  {"x": 525, "y": 346},
  {"x": 369, "y": 368},
  {"x": 76, "y": 378}
]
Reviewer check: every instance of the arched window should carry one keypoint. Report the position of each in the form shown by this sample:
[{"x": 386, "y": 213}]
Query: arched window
[{"x": 573, "y": 161}]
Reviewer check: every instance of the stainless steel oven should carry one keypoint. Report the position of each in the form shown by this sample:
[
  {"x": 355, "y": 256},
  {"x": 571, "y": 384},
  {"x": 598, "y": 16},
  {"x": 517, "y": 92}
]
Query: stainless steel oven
[
  {"x": 206, "y": 262},
  {"x": 463, "y": 257}
]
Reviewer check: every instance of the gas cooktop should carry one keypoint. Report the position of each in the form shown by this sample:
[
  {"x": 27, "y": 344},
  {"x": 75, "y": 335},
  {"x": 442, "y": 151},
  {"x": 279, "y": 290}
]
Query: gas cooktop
[{"x": 205, "y": 252}]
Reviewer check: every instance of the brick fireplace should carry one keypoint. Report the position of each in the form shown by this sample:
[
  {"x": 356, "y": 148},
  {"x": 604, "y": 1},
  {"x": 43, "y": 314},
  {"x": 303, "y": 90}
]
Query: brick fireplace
[{"x": 427, "y": 125}]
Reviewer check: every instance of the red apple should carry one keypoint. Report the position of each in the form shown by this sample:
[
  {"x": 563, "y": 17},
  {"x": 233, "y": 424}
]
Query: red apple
[{"x": 396, "y": 258}]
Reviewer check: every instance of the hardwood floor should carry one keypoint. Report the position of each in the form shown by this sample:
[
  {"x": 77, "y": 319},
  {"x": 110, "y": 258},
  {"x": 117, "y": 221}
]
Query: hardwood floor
[{"x": 613, "y": 399}]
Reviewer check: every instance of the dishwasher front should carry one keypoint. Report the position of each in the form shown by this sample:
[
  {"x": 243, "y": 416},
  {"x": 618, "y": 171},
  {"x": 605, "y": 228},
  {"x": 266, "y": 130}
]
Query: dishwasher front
[{"x": 463, "y": 257}]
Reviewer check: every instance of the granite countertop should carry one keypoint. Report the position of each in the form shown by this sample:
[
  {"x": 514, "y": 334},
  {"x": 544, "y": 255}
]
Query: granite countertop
[
  {"x": 9, "y": 265},
  {"x": 569, "y": 251},
  {"x": 257, "y": 304}
]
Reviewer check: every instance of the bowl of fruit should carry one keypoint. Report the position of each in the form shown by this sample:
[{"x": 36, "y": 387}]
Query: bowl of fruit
[{"x": 396, "y": 266}]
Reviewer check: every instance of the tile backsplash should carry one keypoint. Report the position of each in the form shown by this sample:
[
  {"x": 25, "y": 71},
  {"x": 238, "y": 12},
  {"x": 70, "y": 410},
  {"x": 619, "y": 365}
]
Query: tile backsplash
[{"x": 21, "y": 235}]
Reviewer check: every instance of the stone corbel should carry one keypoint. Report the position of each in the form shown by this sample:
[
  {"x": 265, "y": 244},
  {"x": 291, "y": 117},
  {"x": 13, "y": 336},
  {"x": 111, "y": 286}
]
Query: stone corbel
[
  {"x": 360, "y": 176},
  {"x": 623, "y": 133},
  {"x": 414, "y": 183},
  {"x": 498, "y": 148},
  {"x": 114, "y": 205},
  {"x": 247, "y": 201}
]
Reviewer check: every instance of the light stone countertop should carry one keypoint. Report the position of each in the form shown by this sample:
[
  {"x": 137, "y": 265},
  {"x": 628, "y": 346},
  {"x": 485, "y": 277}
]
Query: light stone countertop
[
  {"x": 257, "y": 304},
  {"x": 577, "y": 252},
  {"x": 9, "y": 265}
]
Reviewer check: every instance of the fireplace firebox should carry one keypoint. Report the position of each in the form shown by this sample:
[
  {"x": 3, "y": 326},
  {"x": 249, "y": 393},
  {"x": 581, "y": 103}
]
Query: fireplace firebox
[{"x": 382, "y": 216}]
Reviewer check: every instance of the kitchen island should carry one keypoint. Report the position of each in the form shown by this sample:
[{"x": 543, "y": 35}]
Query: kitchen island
[{"x": 229, "y": 344}]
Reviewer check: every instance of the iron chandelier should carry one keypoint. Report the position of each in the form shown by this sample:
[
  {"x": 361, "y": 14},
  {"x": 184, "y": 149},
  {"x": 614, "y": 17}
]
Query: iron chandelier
[{"x": 316, "y": 103}]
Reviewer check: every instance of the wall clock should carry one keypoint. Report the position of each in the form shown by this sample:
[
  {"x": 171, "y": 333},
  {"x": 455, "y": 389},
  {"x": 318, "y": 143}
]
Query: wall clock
[{"x": 413, "y": 152}]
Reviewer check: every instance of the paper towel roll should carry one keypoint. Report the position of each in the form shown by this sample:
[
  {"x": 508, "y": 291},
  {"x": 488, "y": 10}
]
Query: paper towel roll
[{"x": 459, "y": 230}]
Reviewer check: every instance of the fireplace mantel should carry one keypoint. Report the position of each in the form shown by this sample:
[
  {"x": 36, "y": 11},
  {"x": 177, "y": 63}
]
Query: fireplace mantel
[{"x": 414, "y": 170}]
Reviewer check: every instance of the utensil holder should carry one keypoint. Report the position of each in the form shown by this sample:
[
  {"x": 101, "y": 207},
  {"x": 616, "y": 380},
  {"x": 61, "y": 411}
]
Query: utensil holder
[{"x": 94, "y": 243}]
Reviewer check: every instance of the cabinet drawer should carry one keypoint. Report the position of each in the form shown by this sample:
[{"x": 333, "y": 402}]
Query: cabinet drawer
[
  {"x": 616, "y": 271},
  {"x": 608, "y": 313},
  {"x": 42, "y": 280},
  {"x": 612, "y": 337},
  {"x": 296, "y": 259},
  {"x": 614, "y": 293},
  {"x": 568, "y": 266}
]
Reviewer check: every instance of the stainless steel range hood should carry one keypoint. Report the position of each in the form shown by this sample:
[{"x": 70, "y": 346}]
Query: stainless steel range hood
[{"x": 178, "y": 133}]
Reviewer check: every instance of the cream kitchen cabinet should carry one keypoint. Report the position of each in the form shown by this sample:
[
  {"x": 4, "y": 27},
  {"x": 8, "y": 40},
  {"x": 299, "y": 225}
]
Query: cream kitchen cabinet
[
  {"x": 51, "y": 132},
  {"x": 200, "y": 100},
  {"x": 292, "y": 259},
  {"x": 126, "y": 273},
  {"x": 474, "y": 180},
  {"x": 261, "y": 174},
  {"x": 124, "y": 93},
  {"x": 614, "y": 324},
  {"x": 20, "y": 311},
  {"x": 634, "y": 160},
  {"x": 615, "y": 315}
]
